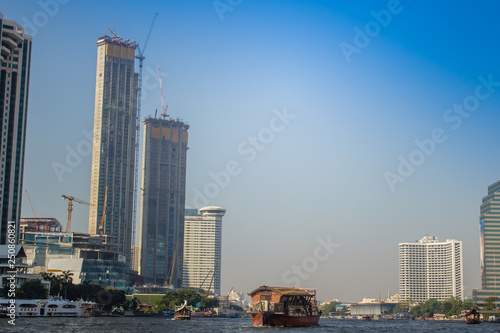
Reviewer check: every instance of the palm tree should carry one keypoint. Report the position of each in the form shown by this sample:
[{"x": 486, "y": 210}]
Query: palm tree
[{"x": 65, "y": 280}]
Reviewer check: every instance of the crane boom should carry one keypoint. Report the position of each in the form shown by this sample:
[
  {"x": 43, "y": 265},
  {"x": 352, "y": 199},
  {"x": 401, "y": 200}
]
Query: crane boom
[
  {"x": 29, "y": 200},
  {"x": 141, "y": 58},
  {"x": 70, "y": 208}
]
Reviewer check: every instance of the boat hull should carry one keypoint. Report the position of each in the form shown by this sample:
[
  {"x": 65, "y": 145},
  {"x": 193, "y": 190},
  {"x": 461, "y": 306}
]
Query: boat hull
[{"x": 273, "y": 319}]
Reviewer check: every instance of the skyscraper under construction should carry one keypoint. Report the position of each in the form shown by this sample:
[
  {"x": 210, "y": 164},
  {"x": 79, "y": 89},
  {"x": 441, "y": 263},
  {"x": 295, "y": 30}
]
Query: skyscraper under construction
[
  {"x": 163, "y": 200},
  {"x": 115, "y": 113}
]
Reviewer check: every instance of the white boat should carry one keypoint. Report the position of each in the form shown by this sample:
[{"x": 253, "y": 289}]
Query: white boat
[{"x": 44, "y": 308}]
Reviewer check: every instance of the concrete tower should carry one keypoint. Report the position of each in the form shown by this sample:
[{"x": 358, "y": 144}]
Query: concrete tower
[
  {"x": 163, "y": 197},
  {"x": 202, "y": 249},
  {"x": 112, "y": 182},
  {"x": 431, "y": 269}
]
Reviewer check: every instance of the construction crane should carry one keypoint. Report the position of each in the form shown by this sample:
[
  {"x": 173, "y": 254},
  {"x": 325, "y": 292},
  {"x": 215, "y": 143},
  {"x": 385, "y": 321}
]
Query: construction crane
[
  {"x": 29, "y": 200},
  {"x": 141, "y": 58},
  {"x": 70, "y": 208},
  {"x": 113, "y": 32},
  {"x": 163, "y": 107},
  {"x": 103, "y": 216}
]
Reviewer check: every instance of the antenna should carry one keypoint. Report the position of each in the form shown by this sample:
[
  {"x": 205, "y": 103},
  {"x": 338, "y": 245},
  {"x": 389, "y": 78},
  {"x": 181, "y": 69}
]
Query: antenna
[{"x": 163, "y": 107}]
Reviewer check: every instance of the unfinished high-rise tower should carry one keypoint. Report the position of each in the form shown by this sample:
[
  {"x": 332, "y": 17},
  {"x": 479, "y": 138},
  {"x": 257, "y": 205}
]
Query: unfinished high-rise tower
[{"x": 112, "y": 182}]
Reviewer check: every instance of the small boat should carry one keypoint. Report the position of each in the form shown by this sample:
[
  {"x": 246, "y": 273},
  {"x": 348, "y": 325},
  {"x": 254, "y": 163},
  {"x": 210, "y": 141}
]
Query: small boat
[
  {"x": 367, "y": 318},
  {"x": 472, "y": 317},
  {"x": 183, "y": 312},
  {"x": 279, "y": 306}
]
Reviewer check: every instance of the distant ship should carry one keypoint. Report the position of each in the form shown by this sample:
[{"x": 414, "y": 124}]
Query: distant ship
[{"x": 288, "y": 307}]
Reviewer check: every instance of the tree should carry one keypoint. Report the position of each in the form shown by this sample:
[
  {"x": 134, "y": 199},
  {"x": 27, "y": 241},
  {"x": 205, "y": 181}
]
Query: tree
[
  {"x": 177, "y": 297},
  {"x": 66, "y": 278},
  {"x": 489, "y": 303},
  {"x": 328, "y": 308},
  {"x": 32, "y": 289},
  {"x": 208, "y": 303}
]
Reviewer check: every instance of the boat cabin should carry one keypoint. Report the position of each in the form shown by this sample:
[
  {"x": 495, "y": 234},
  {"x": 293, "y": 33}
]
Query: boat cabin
[{"x": 292, "y": 301}]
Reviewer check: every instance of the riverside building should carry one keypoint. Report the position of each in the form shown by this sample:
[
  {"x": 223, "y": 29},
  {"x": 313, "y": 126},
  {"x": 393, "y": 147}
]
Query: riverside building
[
  {"x": 202, "y": 249},
  {"x": 113, "y": 150},
  {"x": 15, "y": 58},
  {"x": 163, "y": 197},
  {"x": 489, "y": 246},
  {"x": 430, "y": 269}
]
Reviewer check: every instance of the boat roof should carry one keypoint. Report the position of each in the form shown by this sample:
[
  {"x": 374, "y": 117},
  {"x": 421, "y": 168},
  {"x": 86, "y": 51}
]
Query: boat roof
[{"x": 283, "y": 291}]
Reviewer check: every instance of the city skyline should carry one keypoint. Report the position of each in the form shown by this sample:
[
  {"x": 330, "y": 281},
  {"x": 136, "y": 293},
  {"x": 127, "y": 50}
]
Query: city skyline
[{"x": 337, "y": 134}]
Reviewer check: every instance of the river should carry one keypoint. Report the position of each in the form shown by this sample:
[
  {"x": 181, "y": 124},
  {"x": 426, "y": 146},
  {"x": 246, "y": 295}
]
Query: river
[{"x": 214, "y": 325}]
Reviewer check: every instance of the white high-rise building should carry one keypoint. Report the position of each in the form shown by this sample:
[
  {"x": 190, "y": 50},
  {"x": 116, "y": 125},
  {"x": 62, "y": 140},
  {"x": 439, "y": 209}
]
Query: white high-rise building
[
  {"x": 430, "y": 269},
  {"x": 202, "y": 249}
]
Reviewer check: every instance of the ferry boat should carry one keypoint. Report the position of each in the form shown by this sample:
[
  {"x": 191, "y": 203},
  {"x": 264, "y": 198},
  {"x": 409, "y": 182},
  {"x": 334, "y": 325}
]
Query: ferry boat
[
  {"x": 183, "y": 312},
  {"x": 279, "y": 306},
  {"x": 45, "y": 308}
]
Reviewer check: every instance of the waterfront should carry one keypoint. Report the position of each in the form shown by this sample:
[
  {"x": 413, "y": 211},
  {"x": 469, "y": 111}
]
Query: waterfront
[{"x": 213, "y": 325}]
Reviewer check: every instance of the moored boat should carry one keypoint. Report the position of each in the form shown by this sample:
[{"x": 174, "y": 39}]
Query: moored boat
[
  {"x": 44, "y": 308},
  {"x": 279, "y": 306},
  {"x": 472, "y": 317}
]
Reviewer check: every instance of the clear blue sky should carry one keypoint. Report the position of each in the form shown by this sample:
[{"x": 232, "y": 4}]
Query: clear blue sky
[{"x": 321, "y": 172}]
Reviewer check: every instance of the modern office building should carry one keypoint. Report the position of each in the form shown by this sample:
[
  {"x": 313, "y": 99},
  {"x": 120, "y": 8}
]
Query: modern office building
[
  {"x": 15, "y": 57},
  {"x": 489, "y": 245},
  {"x": 430, "y": 269},
  {"x": 88, "y": 257},
  {"x": 202, "y": 249},
  {"x": 113, "y": 152},
  {"x": 163, "y": 197}
]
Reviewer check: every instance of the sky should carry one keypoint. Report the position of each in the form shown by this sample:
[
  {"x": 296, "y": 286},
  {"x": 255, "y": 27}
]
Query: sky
[{"x": 330, "y": 132}]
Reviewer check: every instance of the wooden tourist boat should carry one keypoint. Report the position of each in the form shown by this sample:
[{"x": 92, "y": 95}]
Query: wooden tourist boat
[
  {"x": 183, "y": 312},
  {"x": 472, "y": 317},
  {"x": 279, "y": 306}
]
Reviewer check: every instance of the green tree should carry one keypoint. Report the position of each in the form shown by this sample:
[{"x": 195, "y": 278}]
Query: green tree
[
  {"x": 328, "y": 308},
  {"x": 208, "y": 303},
  {"x": 430, "y": 307},
  {"x": 173, "y": 298},
  {"x": 489, "y": 303},
  {"x": 66, "y": 279},
  {"x": 32, "y": 289}
]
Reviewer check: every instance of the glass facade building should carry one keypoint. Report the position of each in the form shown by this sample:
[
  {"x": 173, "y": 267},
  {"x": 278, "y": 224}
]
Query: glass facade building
[
  {"x": 489, "y": 246},
  {"x": 163, "y": 198},
  {"x": 15, "y": 58}
]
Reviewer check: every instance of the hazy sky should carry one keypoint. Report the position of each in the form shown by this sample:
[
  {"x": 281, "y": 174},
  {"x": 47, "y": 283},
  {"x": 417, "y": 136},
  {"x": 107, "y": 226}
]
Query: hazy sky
[{"x": 320, "y": 122}]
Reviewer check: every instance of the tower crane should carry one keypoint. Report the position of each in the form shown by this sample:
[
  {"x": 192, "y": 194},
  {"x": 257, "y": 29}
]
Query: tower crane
[
  {"x": 70, "y": 208},
  {"x": 141, "y": 58}
]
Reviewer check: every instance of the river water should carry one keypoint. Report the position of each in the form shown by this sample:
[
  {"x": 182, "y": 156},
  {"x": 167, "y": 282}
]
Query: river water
[{"x": 213, "y": 325}]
